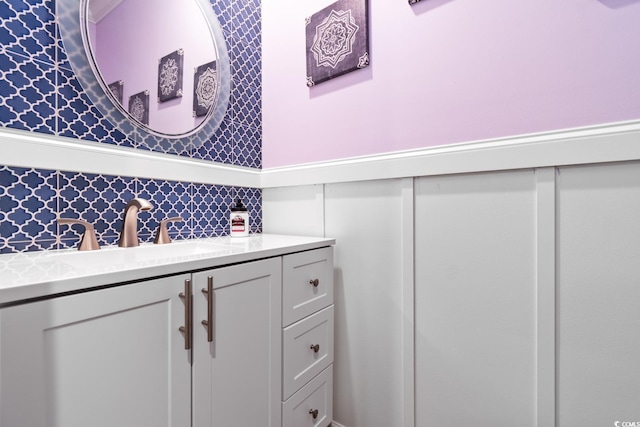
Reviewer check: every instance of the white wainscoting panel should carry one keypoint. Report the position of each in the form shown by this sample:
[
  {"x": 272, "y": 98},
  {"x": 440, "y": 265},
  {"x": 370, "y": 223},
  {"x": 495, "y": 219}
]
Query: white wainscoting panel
[
  {"x": 598, "y": 295},
  {"x": 546, "y": 297},
  {"x": 366, "y": 221},
  {"x": 475, "y": 293},
  {"x": 501, "y": 298},
  {"x": 294, "y": 210}
]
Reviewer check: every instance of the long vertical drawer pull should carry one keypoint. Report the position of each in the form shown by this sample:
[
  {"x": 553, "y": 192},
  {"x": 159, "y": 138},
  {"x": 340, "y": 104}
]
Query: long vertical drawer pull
[
  {"x": 209, "y": 322},
  {"x": 186, "y": 329}
]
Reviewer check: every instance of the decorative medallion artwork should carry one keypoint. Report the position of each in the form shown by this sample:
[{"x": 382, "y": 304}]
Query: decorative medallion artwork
[
  {"x": 205, "y": 86},
  {"x": 139, "y": 107},
  {"x": 337, "y": 40},
  {"x": 117, "y": 89},
  {"x": 170, "y": 76}
]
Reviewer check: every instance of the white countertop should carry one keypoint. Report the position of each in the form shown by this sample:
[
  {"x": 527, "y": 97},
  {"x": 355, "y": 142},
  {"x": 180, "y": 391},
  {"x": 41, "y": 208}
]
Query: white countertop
[{"x": 29, "y": 275}]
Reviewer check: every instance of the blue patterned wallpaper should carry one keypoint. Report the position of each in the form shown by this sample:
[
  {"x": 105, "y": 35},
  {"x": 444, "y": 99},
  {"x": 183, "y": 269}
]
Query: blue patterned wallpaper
[{"x": 39, "y": 92}]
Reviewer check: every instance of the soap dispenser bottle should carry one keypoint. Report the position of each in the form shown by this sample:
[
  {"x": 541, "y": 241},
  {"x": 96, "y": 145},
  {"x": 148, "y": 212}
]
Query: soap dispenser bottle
[{"x": 239, "y": 220}]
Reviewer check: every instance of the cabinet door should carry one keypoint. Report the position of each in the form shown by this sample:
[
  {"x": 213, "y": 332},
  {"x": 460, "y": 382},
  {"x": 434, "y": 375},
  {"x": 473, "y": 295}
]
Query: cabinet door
[
  {"x": 111, "y": 357},
  {"x": 237, "y": 376}
]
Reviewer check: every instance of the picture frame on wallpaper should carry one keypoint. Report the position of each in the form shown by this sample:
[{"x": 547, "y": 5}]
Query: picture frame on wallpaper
[
  {"x": 170, "y": 68},
  {"x": 205, "y": 88},
  {"x": 337, "y": 40},
  {"x": 139, "y": 107},
  {"x": 117, "y": 90}
]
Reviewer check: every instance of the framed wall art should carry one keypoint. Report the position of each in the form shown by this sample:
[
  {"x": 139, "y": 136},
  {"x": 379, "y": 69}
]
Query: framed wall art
[
  {"x": 337, "y": 40},
  {"x": 170, "y": 76},
  {"x": 139, "y": 107},
  {"x": 205, "y": 87},
  {"x": 117, "y": 89}
]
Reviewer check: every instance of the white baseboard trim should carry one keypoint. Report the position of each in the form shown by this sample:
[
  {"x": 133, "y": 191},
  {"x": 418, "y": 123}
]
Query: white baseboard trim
[
  {"x": 35, "y": 150},
  {"x": 612, "y": 142},
  {"x": 335, "y": 424}
]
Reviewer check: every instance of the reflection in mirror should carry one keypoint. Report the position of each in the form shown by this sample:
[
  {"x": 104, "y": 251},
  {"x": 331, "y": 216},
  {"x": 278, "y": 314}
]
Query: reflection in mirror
[
  {"x": 157, "y": 70},
  {"x": 127, "y": 39}
]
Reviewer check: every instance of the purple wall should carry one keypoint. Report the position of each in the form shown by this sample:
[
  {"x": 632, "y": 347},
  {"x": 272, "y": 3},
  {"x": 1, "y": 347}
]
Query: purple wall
[
  {"x": 450, "y": 71},
  {"x": 135, "y": 35}
]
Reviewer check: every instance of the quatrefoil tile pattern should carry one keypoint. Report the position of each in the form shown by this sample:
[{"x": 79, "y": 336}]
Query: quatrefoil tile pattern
[
  {"x": 247, "y": 22},
  {"x": 97, "y": 199},
  {"x": 218, "y": 148},
  {"x": 28, "y": 207},
  {"x": 252, "y": 199},
  {"x": 32, "y": 199},
  {"x": 224, "y": 10},
  {"x": 79, "y": 118},
  {"x": 28, "y": 28},
  {"x": 210, "y": 209},
  {"x": 39, "y": 91},
  {"x": 245, "y": 64},
  {"x": 247, "y": 144},
  {"x": 61, "y": 54},
  {"x": 246, "y": 105},
  {"x": 170, "y": 199},
  {"x": 28, "y": 93}
]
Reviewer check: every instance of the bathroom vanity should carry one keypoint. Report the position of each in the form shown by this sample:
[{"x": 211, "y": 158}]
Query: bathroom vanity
[{"x": 208, "y": 332}]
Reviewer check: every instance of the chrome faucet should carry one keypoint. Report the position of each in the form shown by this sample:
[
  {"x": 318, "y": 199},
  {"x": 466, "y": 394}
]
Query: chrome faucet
[{"x": 129, "y": 233}]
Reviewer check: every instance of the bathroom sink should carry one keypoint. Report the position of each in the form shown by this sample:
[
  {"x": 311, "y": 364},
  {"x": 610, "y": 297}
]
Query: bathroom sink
[{"x": 115, "y": 258}]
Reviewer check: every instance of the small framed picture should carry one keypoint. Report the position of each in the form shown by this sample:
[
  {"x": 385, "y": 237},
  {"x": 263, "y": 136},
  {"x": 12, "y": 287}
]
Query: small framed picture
[
  {"x": 205, "y": 88},
  {"x": 139, "y": 107},
  {"x": 117, "y": 89},
  {"x": 337, "y": 40},
  {"x": 170, "y": 76}
]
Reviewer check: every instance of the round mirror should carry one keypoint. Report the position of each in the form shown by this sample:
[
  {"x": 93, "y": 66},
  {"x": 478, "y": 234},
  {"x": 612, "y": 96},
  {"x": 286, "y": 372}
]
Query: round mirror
[{"x": 157, "y": 70}]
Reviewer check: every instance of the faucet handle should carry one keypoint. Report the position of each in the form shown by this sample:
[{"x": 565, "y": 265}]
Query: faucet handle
[
  {"x": 88, "y": 241},
  {"x": 162, "y": 235}
]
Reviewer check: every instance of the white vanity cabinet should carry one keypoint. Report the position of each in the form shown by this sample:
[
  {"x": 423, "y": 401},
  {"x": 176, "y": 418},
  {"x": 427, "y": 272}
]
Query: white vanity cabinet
[
  {"x": 200, "y": 346},
  {"x": 236, "y": 352},
  {"x": 307, "y": 347},
  {"x": 110, "y": 357}
]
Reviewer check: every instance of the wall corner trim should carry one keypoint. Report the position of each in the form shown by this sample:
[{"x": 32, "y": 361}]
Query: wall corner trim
[
  {"x": 612, "y": 142},
  {"x": 35, "y": 150}
]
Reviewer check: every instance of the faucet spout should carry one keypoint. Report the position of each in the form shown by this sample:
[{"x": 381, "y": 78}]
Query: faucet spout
[{"x": 129, "y": 233}]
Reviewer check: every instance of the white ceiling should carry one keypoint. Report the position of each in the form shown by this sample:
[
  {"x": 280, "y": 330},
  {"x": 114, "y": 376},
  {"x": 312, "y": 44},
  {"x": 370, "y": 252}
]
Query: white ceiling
[{"x": 98, "y": 9}]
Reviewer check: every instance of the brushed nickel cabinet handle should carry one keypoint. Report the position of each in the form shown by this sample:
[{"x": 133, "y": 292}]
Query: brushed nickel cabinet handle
[
  {"x": 314, "y": 282},
  {"x": 209, "y": 322},
  {"x": 186, "y": 329},
  {"x": 315, "y": 348},
  {"x": 314, "y": 413}
]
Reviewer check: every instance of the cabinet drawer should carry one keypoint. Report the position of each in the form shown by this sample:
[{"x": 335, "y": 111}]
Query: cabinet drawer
[
  {"x": 307, "y": 284},
  {"x": 298, "y": 411},
  {"x": 300, "y": 360}
]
